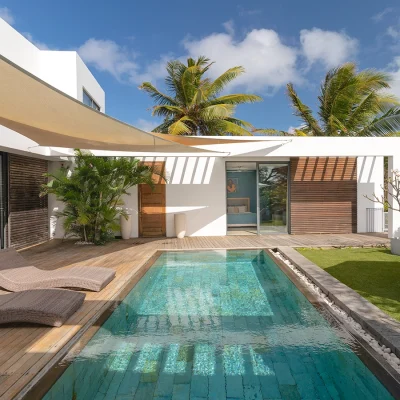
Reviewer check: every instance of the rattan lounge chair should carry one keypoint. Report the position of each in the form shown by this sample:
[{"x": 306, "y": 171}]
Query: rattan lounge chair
[
  {"x": 16, "y": 275},
  {"x": 43, "y": 306}
]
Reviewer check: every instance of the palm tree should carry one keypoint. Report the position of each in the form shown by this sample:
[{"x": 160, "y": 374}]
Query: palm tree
[
  {"x": 194, "y": 106},
  {"x": 351, "y": 103}
]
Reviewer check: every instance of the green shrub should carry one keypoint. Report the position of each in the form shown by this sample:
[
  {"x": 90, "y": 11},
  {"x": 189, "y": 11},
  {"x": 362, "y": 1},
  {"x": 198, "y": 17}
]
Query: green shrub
[{"x": 92, "y": 192}]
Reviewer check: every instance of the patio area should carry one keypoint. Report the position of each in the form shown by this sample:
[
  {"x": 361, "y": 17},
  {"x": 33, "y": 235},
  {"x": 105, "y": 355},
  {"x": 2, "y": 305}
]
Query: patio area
[{"x": 27, "y": 352}]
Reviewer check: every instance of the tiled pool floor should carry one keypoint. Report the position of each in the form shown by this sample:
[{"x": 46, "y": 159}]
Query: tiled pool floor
[{"x": 217, "y": 325}]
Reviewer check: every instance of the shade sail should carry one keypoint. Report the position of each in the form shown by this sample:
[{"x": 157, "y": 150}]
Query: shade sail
[{"x": 49, "y": 117}]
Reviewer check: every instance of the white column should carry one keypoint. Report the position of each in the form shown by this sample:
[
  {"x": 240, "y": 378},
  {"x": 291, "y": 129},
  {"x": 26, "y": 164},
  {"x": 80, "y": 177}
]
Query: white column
[
  {"x": 394, "y": 216},
  {"x": 370, "y": 173}
]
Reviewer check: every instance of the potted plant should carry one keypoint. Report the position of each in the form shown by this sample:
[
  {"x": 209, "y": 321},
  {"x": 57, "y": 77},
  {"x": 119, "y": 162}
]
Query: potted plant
[
  {"x": 92, "y": 194},
  {"x": 394, "y": 194}
]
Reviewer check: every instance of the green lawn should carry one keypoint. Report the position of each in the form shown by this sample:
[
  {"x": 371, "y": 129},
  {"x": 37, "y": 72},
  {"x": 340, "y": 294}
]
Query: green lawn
[{"x": 373, "y": 273}]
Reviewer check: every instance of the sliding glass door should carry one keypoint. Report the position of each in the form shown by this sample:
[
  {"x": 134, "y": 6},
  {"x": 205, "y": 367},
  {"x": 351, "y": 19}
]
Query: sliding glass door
[
  {"x": 272, "y": 198},
  {"x": 256, "y": 198}
]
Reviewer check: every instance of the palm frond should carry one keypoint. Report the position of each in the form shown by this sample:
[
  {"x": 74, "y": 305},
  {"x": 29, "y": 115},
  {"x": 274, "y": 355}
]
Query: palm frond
[
  {"x": 386, "y": 124},
  {"x": 304, "y": 112},
  {"x": 180, "y": 127},
  {"x": 269, "y": 132},
  {"x": 220, "y": 83},
  {"x": 167, "y": 111},
  {"x": 159, "y": 97},
  {"x": 164, "y": 126},
  {"x": 234, "y": 129},
  {"x": 217, "y": 111},
  {"x": 241, "y": 123},
  {"x": 237, "y": 99}
]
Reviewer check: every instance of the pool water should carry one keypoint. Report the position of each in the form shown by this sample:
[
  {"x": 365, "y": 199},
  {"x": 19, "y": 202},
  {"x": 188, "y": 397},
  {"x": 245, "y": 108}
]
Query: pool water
[{"x": 217, "y": 325}]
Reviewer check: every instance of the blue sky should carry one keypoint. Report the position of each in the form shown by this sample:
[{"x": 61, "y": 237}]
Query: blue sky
[{"x": 126, "y": 42}]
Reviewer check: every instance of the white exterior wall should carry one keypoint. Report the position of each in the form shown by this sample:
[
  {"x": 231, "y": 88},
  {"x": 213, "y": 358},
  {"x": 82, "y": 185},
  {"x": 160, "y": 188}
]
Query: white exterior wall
[
  {"x": 18, "y": 49},
  {"x": 86, "y": 80},
  {"x": 64, "y": 70},
  {"x": 394, "y": 215},
  {"x": 195, "y": 186},
  {"x": 58, "y": 68},
  {"x": 370, "y": 173}
]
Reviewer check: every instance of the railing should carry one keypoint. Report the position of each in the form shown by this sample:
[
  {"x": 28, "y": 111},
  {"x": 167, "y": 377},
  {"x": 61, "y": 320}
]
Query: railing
[{"x": 375, "y": 220}]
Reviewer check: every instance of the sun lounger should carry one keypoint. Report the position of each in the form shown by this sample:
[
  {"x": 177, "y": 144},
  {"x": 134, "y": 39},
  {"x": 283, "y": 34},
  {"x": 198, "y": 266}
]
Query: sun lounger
[
  {"x": 43, "y": 306},
  {"x": 16, "y": 275}
]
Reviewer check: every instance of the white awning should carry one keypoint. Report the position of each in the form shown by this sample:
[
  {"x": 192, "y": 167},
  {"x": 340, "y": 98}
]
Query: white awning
[{"x": 51, "y": 118}]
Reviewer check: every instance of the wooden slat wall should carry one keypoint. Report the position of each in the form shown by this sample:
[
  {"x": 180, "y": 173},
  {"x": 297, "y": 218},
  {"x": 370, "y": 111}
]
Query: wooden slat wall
[
  {"x": 29, "y": 220},
  {"x": 323, "y": 195}
]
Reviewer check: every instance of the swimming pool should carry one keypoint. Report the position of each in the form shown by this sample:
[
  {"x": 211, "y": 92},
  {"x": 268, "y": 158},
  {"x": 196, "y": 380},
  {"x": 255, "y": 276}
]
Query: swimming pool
[{"x": 217, "y": 325}]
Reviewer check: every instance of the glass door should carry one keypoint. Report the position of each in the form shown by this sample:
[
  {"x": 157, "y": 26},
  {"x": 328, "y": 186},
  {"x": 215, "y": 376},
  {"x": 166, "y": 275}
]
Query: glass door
[{"x": 272, "y": 198}]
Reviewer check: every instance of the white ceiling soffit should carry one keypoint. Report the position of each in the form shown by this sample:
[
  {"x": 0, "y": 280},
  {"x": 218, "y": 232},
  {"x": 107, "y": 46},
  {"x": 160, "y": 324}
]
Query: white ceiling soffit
[{"x": 51, "y": 118}]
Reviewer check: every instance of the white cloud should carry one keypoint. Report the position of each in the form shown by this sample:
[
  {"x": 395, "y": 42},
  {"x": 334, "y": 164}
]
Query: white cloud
[
  {"x": 40, "y": 45},
  {"x": 106, "y": 55},
  {"x": 379, "y": 16},
  {"x": 119, "y": 61},
  {"x": 268, "y": 62},
  {"x": 328, "y": 47},
  {"x": 394, "y": 70},
  {"x": 393, "y": 32},
  {"x": 6, "y": 14},
  {"x": 146, "y": 125},
  {"x": 229, "y": 27}
]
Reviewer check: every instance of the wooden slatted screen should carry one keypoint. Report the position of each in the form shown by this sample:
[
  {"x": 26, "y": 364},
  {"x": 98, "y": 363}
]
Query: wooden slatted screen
[
  {"x": 152, "y": 204},
  {"x": 323, "y": 195},
  {"x": 29, "y": 220}
]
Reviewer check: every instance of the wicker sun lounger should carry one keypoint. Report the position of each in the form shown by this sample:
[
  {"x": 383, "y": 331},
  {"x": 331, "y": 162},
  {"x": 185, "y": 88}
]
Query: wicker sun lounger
[
  {"x": 43, "y": 306},
  {"x": 16, "y": 275}
]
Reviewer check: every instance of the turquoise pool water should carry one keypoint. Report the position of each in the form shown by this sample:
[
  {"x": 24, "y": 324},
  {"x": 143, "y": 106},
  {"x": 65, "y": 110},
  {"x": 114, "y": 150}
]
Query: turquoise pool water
[{"x": 217, "y": 325}]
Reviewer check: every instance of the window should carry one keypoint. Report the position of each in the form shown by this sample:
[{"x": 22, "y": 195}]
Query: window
[{"x": 87, "y": 99}]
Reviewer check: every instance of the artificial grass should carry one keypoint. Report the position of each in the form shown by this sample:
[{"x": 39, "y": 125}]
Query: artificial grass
[{"x": 374, "y": 273}]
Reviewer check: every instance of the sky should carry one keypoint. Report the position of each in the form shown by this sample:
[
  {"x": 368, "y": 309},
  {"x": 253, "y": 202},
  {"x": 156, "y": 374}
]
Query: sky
[{"x": 127, "y": 42}]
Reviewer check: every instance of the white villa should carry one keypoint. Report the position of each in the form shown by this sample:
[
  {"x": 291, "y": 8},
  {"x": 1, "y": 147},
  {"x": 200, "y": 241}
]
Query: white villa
[{"x": 50, "y": 103}]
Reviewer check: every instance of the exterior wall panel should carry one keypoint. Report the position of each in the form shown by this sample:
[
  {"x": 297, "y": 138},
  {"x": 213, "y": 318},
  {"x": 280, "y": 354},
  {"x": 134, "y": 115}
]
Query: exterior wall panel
[
  {"x": 29, "y": 222},
  {"x": 323, "y": 195}
]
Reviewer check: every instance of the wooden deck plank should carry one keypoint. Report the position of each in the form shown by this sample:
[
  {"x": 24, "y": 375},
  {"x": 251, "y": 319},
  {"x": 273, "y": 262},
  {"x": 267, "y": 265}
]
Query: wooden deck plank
[{"x": 25, "y": 351}]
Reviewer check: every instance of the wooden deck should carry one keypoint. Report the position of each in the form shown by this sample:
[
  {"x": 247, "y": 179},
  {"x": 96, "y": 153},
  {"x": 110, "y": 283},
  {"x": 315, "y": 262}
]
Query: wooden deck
[{"x": 27, "y": 351}]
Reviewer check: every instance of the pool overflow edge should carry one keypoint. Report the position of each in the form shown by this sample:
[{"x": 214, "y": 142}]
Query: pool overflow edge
[{"x": 287, "y": 260}]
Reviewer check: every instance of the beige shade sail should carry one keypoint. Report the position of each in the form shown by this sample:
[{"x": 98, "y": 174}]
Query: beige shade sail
[{"x": 49, "y": 117}]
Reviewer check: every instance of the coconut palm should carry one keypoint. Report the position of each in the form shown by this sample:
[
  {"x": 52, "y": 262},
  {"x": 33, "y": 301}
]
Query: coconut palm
[
  {"x": 351, "y": 103},
  {"x": 194, "y": 105}
]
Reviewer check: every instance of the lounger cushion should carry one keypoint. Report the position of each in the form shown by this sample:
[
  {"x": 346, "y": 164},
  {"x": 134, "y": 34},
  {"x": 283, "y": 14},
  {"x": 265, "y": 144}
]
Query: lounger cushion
[
  {"x": 17, "y": 275},
  {"x": 43, "y": 306}
]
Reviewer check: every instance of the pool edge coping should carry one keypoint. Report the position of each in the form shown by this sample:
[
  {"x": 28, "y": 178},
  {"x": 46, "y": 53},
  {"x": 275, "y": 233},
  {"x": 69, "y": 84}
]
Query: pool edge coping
[{"x": 383, "y": 327}]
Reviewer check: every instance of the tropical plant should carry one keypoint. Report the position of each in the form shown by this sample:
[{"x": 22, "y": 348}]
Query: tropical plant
[
  {"x": 92, "y": 193},
  {"x": 392, "y": 183},
  {"x": 351, "y": 103},
  {"x": 194, "y": 105}
]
